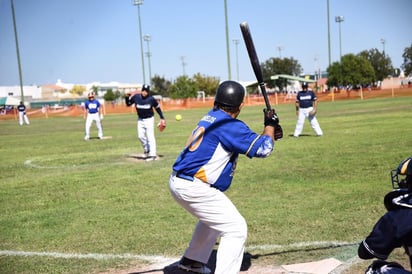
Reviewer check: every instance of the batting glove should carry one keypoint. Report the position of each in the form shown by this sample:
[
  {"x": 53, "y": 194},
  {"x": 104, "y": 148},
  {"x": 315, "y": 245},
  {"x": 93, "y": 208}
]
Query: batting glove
[{"x": 271, "y": 118}]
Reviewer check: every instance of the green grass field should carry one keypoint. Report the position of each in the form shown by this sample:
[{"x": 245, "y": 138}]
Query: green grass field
[{"x": 60, "y": 194}]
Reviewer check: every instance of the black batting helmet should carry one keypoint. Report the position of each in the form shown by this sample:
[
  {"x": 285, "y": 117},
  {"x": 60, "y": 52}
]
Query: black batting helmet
[
  {"x": 230, "y": 94},
  {"x": 305, "y": 85}
]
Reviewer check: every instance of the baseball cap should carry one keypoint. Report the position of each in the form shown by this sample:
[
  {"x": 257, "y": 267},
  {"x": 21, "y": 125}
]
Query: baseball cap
[{"x": 146, "y": 87}]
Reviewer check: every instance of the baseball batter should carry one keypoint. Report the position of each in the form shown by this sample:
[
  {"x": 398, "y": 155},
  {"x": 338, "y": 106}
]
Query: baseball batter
[
  {"x": 306, "y": 108},
  {"x": 394, "y": 229},
  {"x": 92, "y": 113},
  {"x": 144, "y": 104},
  {"x": 22, "y": 114},
  {"x": 205, "y": 169}
]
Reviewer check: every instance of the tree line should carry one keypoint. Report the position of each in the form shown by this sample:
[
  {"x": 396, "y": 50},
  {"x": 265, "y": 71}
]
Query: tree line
[{"x": 363, "y": 69}]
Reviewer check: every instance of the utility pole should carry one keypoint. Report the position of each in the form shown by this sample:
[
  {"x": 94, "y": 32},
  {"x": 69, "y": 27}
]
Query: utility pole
[
  {"x": 236, "y": 41},
  {"x": 183, "y": 64},
  {"x": 18, "y": 51},
  {"x": 227, "y": 44},
  {"x": 138, "y": 3}
]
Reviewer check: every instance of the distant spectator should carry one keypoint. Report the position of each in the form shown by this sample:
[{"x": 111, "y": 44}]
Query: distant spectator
[{"x": 44, "y": 110}]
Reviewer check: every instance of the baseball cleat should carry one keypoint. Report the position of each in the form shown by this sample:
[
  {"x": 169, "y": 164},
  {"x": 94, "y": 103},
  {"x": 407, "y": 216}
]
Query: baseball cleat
[{"x": 195, "y": 267}]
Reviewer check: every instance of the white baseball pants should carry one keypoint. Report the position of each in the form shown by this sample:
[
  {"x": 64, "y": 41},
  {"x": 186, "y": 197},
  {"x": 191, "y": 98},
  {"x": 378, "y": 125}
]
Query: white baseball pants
[
  {"x": 146, "y": 135},
  {"x": 303, "y": 115},
  {"x": 23, "y": 118},
  {"x": 217, "y": 216},
  {"x": 89, "y": 120}
]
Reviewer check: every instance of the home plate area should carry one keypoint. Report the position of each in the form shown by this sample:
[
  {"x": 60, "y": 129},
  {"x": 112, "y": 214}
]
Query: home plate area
[{"x": 170, "y": 267}]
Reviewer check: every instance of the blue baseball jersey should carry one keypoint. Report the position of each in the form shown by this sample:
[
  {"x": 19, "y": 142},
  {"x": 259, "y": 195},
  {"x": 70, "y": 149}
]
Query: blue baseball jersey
[
  {"x": 92, "y": 106},
  {"x": 306, "y": 98},
  {"x": 214, "y": 147},
  {"x": 144, "y": 106}
]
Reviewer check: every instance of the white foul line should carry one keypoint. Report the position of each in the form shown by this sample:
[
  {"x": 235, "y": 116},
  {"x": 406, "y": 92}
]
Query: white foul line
[
  {"x": 157, "y": 259},
  {"x": 94, "y": 256}
]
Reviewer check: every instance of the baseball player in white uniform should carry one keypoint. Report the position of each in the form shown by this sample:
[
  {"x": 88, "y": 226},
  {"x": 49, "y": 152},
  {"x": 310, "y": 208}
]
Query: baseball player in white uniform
[
  {"x": 205, "y": 169},
  {"x": 22, "y": 114},
  {"x": 306, "y": 108},
  {"x": 92, "y": 113}
]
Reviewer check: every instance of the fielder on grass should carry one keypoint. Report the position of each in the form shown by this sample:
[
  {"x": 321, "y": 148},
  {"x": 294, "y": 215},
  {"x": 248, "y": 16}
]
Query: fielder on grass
[
  {"x": 144, "y": 104},
  {"x": 22, "y": 114},
  {"x": 92, "y": 113},
  {"x": 306, "y": 108}
]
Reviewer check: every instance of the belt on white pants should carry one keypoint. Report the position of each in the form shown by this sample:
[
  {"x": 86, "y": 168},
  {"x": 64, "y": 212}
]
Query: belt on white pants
[{"x": 187, "y": 177}]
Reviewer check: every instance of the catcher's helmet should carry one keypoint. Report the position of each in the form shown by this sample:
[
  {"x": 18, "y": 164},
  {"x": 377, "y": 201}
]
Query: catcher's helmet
[
  {"x": 404, "y": 169},
  {"x": 230, "y": 94},
  {"x": 305, "y": 85},
  {"x": 146, "y": 88}
]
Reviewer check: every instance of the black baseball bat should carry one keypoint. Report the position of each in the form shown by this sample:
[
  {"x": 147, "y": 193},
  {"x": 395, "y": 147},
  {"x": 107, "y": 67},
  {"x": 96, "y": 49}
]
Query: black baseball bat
[{"x": 247, "y": 37}]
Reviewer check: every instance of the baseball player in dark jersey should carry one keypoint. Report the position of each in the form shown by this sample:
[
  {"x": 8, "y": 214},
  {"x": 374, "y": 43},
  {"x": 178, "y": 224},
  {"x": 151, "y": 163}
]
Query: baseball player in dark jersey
[
  {"x": 92, "y": 112},
  {"x": 394, "y": 228},
  {"x": 144, "y": 104},
  {"x": 22, "y": 114},
  {"x": 306, "y": 107},
  {"x": 205, "y": 169}
]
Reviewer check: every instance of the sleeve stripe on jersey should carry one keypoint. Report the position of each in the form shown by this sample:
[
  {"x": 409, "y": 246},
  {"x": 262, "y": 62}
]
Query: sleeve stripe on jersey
[{"x": 251, "y": 145}]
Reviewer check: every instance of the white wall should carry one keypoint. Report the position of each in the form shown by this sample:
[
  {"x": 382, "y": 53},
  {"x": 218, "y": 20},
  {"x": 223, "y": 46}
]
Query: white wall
[{"x": 14, "y": 91}]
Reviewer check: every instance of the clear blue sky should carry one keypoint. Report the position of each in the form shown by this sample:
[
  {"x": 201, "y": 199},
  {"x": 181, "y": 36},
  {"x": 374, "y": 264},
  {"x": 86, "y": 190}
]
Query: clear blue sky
[{"x": 82, "y": 41}]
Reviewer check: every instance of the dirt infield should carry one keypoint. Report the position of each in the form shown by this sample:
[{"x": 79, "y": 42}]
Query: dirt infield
[
  {"x": 324, "y": 266},
  {"x": 173, "y": 269}
]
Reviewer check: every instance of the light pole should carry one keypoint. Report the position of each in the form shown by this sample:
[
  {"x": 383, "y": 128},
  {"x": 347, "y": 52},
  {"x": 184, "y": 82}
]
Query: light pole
[
  {"x": 183, "y": 64},
  {"x": 138, "y": 3},
  {"x": 236, "y": 41},
  {"x": 328, "y": 19},
  {"x": 18, "y": 51},
  {"x": 148, "y": 38},
  {"x": 340, "y": 19},
  {"x": 383, "y": 41},
  {"x": 229, "y": 73},
  {"x": 280, "y": 48}
]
